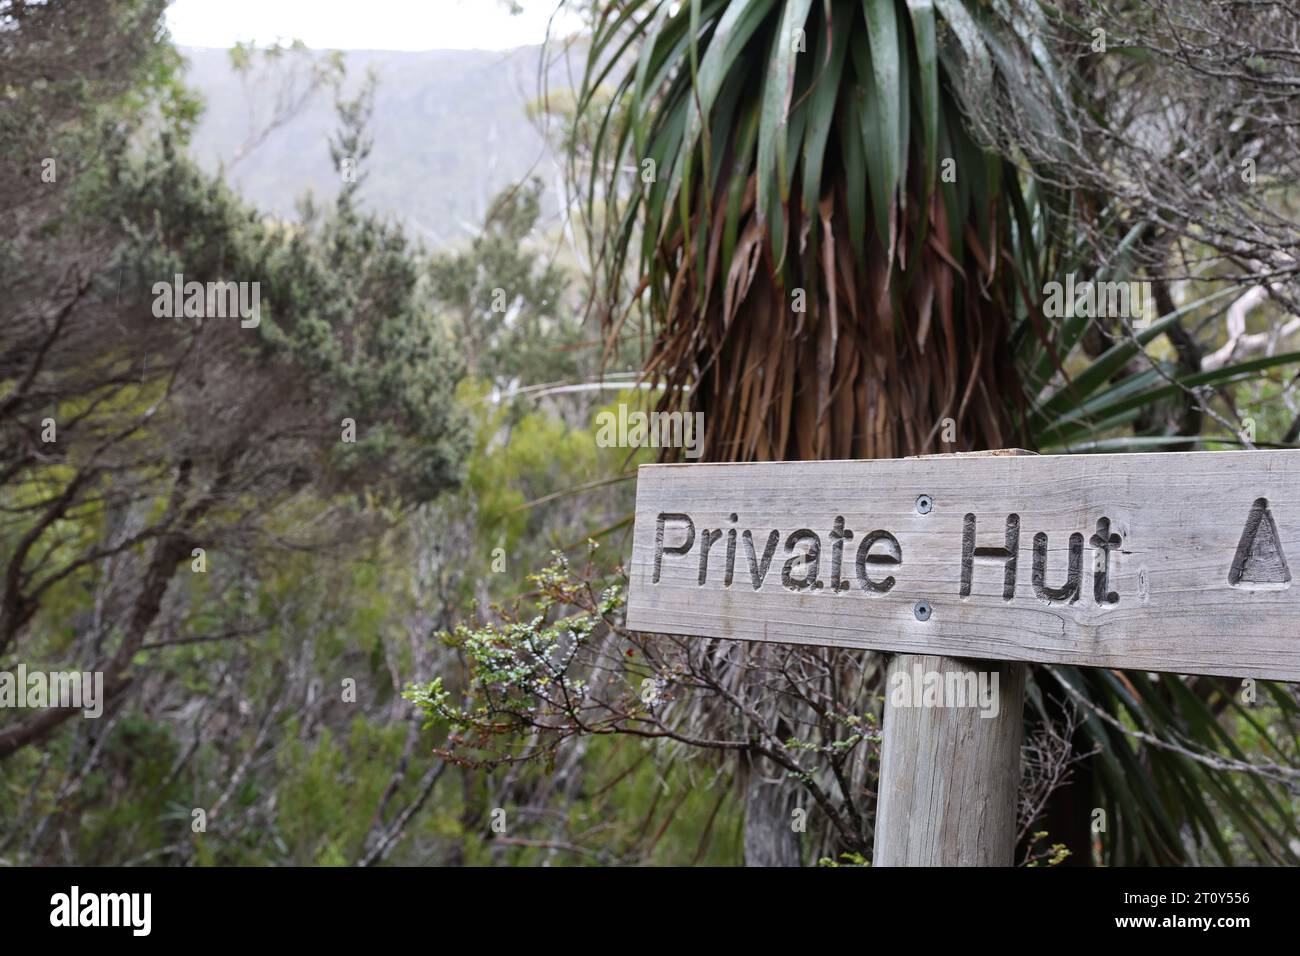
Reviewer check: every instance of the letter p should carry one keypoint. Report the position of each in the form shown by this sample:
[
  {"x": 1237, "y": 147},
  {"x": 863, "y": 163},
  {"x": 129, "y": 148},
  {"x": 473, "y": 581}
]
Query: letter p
[{"x": 660, "y": 522}]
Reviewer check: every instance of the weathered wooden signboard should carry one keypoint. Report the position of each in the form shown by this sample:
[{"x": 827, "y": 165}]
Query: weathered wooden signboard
[{"x": 1178, "y": 562}]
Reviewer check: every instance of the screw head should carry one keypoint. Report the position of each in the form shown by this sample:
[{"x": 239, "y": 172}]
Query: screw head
[
  {"x": 922, "y": 610},
  {"x": 924, "y": 504}
]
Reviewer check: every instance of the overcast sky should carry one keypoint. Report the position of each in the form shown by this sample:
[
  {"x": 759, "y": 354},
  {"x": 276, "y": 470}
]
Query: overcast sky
[{"x": 370, "y": 25}]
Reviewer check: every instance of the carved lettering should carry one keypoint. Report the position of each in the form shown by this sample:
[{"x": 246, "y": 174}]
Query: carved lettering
[{"x": 1007, "y": 555}]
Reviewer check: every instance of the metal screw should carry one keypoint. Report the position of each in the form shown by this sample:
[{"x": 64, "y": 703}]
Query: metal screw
[
  {"x": 923, "y": 505},
  {"x": 922, "y": 610}
]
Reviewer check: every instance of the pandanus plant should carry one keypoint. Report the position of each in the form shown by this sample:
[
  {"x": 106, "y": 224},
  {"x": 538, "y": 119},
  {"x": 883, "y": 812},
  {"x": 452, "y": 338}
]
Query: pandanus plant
[
  {"x": 828, "y": 256},
  {"x": 829, "y": 264}
]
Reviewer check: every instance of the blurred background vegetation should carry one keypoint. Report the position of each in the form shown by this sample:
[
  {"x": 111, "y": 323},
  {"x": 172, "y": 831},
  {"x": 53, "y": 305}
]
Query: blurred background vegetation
[{"x": 320, "y": 652}]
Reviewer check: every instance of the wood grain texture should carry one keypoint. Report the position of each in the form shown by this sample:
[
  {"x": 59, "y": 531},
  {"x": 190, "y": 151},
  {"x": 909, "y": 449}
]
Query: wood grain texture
[
  {"x": 1165, "y": 562},
  {"x": 949, "y": 777}
]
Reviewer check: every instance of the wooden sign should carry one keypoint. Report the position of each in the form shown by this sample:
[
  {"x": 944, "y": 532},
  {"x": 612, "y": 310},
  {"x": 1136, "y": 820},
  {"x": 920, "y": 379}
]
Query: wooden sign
[{"x": 1178, "y": 562}]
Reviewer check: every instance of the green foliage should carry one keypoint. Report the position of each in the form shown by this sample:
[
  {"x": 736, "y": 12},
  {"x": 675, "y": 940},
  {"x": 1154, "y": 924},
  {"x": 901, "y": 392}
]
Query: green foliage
[
  {"x": 521, "y": 670},
  {"x": 506, "y": 302},
  {"x": 1053, "y": 855},
  {"x": 338, "y": 301},
  {"x": 326, "y": 790},
  {"x": 1188, "y": 791}
]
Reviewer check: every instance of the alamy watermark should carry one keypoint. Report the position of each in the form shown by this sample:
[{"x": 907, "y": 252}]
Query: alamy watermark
[
  {"x": 922, "y": 688},
  {"x": 1100, "y": 299},
  {"x": 130, "y": 910},
  {"x": 638, "y": 429},
  {"x": 179, "y": 299},
  {"x": 38, "y": 689}
]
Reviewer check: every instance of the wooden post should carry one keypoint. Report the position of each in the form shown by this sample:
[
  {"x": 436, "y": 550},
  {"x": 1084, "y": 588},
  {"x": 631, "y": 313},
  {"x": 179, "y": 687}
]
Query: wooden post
[{"x": 949, "y": 777}]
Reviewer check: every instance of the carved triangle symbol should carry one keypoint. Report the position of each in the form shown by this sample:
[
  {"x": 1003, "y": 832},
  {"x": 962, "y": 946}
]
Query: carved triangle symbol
[{"x": 1259, "y": 559}]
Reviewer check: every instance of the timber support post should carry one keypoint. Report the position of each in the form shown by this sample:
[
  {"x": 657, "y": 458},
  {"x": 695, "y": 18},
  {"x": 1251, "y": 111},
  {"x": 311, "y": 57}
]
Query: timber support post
[{"x": 949, "y": 776}]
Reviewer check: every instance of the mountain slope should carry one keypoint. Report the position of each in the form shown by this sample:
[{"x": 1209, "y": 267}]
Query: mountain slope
[{"x": 449, "y": 130}]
